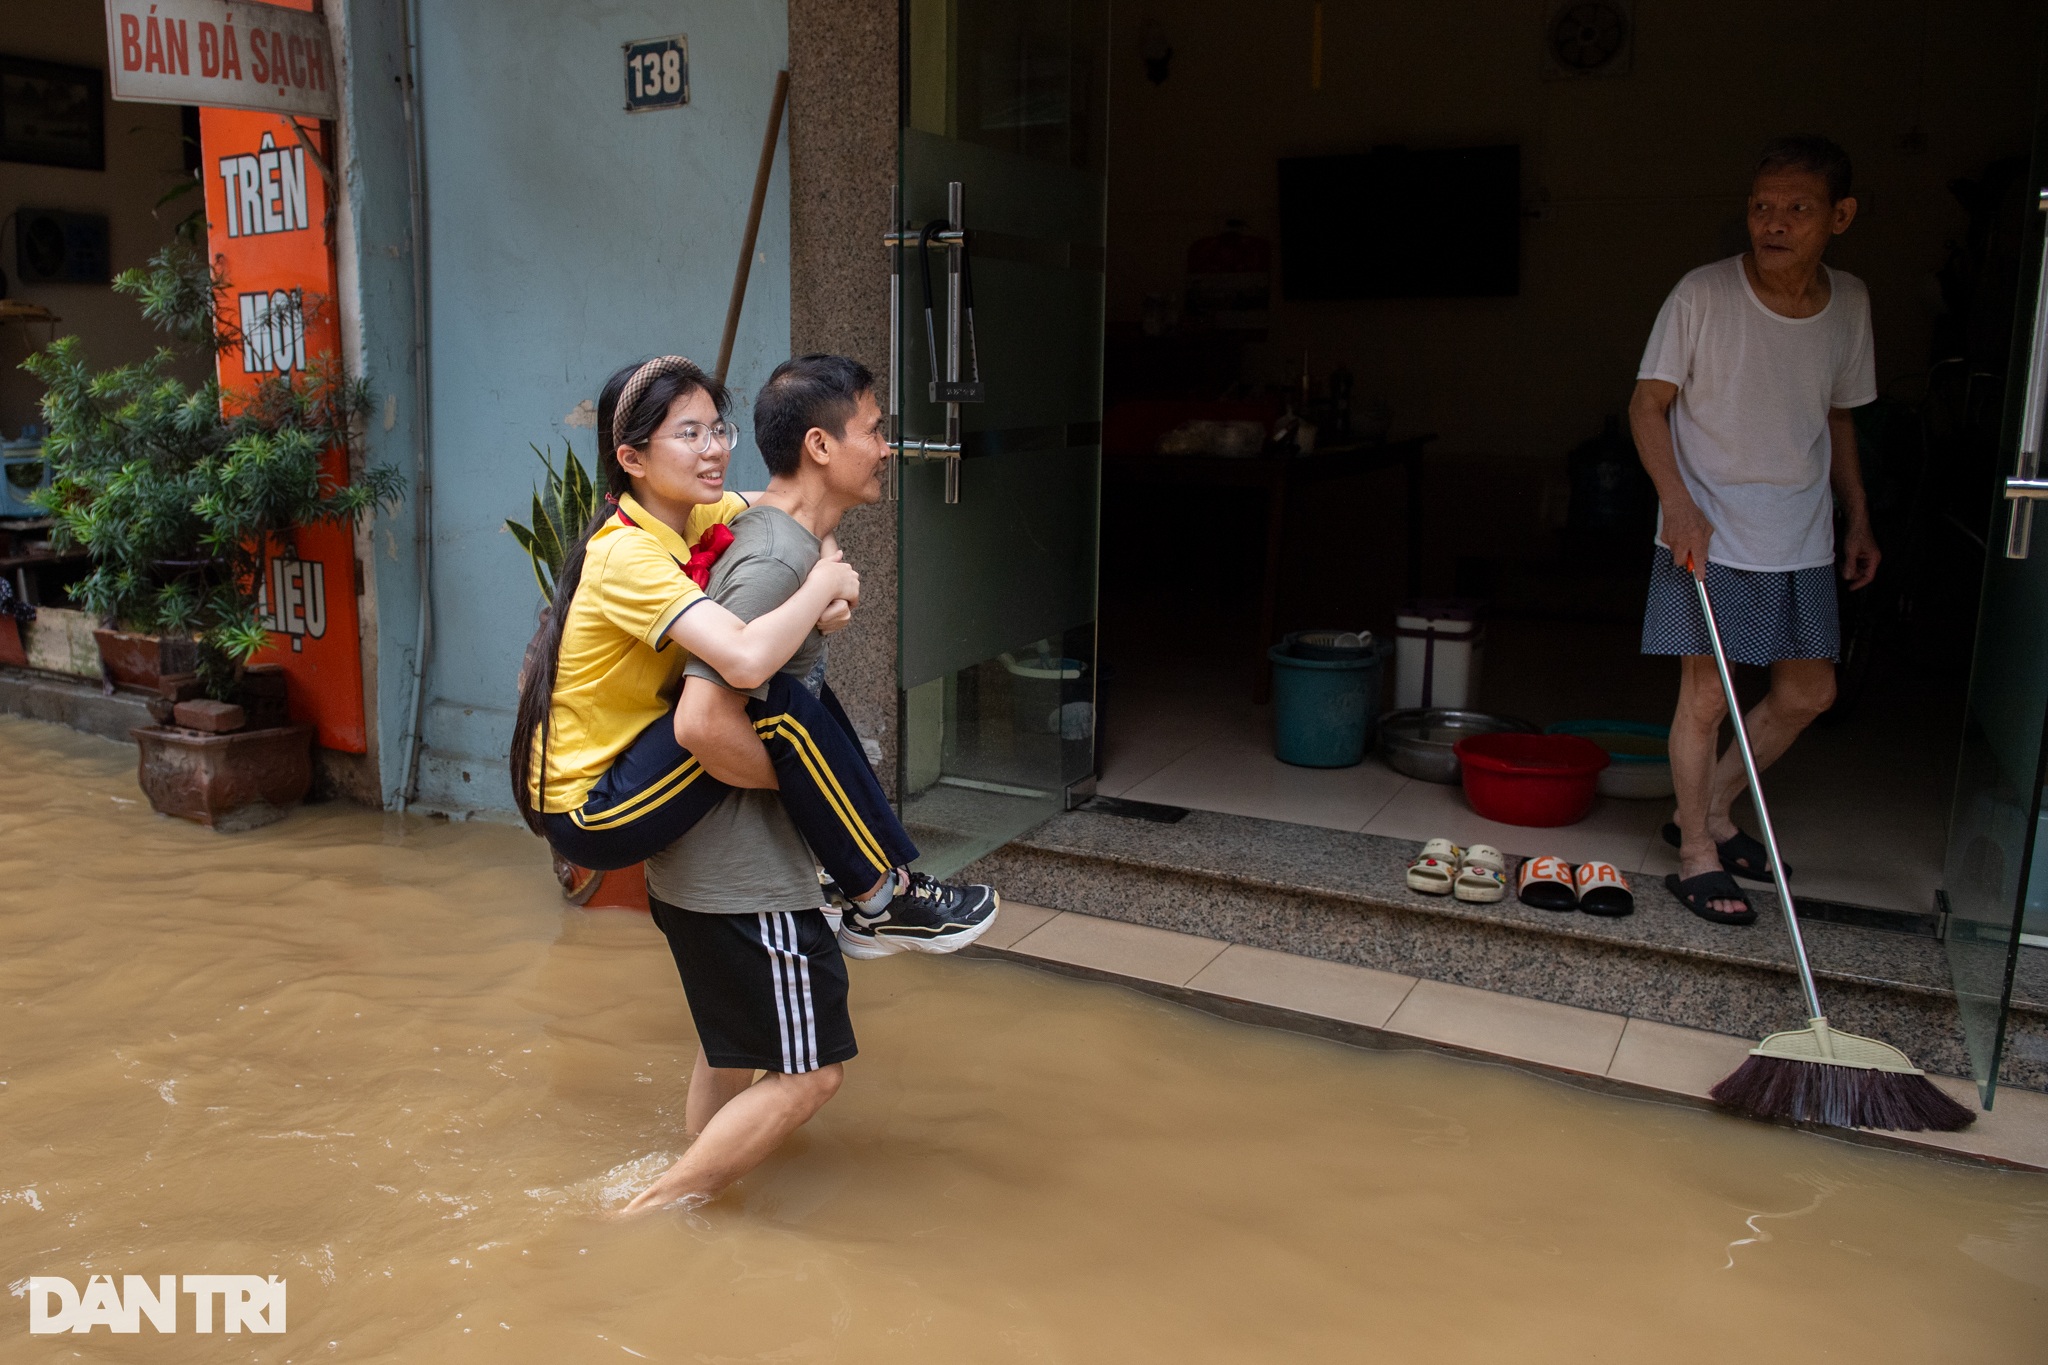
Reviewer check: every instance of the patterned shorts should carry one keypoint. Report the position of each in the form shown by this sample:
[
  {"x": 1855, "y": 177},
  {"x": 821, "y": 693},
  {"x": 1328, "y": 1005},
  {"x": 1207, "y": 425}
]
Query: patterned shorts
[{"x": 1764, "y": 616}]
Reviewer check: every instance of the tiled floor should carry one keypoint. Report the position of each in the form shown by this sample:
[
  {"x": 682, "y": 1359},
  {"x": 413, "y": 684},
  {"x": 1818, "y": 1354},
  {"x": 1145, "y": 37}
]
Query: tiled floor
[
  {"x": 1634, "y": 1052},
  {"x": 1861, "y": 808}
]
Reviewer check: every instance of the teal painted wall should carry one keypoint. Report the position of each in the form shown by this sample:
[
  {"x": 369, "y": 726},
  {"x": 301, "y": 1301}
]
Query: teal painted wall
[{"x": 564, "y": 238}]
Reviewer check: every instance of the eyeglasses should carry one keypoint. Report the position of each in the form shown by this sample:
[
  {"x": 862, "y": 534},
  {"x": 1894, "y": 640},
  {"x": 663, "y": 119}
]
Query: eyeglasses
[{"x": 697, "y": 437}]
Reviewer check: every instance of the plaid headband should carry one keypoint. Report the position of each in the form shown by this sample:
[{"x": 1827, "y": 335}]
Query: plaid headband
[{"x": 638, "y": 385}]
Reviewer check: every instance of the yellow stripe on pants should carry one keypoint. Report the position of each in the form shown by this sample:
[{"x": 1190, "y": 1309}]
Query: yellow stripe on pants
[
  {"x": 789, "y": 728},
  {"x": 642, "y": 802}
]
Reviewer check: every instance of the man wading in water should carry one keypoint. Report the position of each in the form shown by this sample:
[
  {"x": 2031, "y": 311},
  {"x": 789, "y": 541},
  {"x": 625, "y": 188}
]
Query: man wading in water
[
  {"x": 1741, "y": 416},
  {"x": 737, "y": 895}
]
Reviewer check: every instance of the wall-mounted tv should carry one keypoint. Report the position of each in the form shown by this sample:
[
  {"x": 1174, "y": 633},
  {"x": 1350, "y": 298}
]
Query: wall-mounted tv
[{"x": 1395, "y": 223}]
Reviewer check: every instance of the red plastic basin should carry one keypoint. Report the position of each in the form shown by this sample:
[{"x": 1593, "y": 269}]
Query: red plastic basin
[{"x": 1536, "y": 780}]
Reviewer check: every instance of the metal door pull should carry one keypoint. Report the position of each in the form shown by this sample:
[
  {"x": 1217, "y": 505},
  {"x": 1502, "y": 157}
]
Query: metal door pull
[
  {"x": 949, "y": 387},
  {"x": 2023, "y": 489},
  {"x": 949, "y": 234}
]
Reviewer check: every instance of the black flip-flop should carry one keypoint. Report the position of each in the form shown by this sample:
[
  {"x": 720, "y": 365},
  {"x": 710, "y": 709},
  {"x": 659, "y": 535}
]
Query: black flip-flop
[
  {"x": 1698, "y": 893},
  {"x": 1742, "y": 855}
]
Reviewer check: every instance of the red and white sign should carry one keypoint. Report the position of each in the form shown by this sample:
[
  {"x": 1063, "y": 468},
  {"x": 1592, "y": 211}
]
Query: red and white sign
[{"x": 223, "y": 56}]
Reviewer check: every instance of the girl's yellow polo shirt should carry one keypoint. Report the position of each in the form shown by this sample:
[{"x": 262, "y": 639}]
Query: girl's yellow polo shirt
[{"x": 618, "y": 672}]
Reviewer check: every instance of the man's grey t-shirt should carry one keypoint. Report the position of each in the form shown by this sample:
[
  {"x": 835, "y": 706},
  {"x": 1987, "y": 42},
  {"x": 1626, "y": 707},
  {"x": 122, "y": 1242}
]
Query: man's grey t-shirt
[
  {"x": 770, "y": 557},
  {"x": 745, "y": 855}
]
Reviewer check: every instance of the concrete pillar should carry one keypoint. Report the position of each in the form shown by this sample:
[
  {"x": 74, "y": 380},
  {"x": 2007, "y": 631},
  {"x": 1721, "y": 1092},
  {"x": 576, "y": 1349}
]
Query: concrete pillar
[{"x": 842, "y": 160}]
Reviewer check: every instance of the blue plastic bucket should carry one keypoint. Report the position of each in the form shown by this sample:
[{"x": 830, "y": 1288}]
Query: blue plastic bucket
[{"x": 1324, "y": 710}]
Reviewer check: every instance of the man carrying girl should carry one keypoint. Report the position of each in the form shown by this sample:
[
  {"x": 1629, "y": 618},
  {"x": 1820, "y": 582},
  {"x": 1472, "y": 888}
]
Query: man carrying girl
[{"x": 597, "y": 766}]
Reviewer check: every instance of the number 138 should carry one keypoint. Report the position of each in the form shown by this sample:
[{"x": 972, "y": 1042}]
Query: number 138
[{"x": 657, "y": 73}]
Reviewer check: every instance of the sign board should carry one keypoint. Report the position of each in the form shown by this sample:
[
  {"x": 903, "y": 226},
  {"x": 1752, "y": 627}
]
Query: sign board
[
  {"x": 266, "y": 215},
  {"x": 222, "y": 56},
  {"x": 657, "y": 73}
]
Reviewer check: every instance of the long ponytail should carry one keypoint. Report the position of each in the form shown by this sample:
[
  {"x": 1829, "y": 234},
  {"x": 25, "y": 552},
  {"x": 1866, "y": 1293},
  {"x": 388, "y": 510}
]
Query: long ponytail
[{"x": 647, "y": 399}]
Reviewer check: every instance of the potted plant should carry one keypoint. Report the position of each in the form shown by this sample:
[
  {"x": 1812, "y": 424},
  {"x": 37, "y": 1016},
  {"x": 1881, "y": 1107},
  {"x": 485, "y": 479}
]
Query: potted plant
[
  {"x": 177, "y": 499},
  {"x": 562, "y": 506}
]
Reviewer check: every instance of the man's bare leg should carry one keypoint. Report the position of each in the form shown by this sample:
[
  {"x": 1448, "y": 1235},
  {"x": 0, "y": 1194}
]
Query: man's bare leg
[
  {"x": 1695, "y": 734},
  {"x": 711, "y": 1088},
  {"x": 1801, "y": 689},
  {"x": 741, "y": 1133}
]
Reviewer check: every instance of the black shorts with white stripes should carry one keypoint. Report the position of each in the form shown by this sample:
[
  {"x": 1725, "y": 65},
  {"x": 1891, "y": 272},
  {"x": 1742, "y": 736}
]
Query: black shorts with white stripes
[{"x": 766, "y": 990}]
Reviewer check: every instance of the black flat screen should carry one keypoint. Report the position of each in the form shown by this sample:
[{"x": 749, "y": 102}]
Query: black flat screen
[{"x": 1399, "y": 224}]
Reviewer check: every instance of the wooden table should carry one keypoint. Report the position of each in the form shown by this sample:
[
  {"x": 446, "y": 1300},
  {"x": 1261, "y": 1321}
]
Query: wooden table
[
  {"x": 21, "y": 563},
  {"x": 1278, "y": 476}
]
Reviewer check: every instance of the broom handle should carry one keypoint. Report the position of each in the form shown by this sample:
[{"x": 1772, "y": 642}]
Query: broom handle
[
  {"x": 761, "y": 174},
  {"x": 1756, "y": 791}
]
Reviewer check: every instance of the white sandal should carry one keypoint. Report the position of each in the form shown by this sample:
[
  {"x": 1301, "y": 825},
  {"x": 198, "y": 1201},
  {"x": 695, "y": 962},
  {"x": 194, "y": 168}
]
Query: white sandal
[
  {"x": 1482, "y": 875},
  {"x": 1603, "y": 890},
  {"x": 1435, "y": 868}
]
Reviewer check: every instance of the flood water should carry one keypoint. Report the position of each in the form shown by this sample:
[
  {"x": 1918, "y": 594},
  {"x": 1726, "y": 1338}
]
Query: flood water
[{"x": 381, "y": 1059}]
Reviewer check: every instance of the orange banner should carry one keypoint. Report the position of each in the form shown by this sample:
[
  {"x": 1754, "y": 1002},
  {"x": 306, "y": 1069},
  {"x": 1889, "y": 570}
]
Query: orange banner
[{"x": 266, "y": 214}]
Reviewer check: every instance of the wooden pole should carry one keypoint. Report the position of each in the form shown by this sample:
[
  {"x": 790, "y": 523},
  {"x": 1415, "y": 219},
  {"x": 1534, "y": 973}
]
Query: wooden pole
[{"x": 761, "y": 174}]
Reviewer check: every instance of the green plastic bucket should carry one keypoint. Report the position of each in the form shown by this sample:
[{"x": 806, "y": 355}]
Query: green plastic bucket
[{"x": 1324, "y": 710}]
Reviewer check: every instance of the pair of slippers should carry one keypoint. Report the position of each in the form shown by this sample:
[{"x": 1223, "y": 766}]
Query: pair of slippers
[
  {"x": 1478, "y": 874},
  {"x": 1551, "y": 883},
  {"x": 1743, "y": 855}
]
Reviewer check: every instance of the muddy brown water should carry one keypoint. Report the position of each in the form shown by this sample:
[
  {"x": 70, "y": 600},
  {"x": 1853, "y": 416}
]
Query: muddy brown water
[{"x": 380, "y": 1058}]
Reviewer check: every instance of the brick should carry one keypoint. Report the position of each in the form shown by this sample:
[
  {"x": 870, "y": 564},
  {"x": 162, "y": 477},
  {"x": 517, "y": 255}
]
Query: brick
[
  {"x": 214, "y": 717},
  {"x": 180, "y": 687}
]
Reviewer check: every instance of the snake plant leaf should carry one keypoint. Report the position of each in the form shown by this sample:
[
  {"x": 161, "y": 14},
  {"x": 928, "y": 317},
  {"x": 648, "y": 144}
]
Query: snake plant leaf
[
  {"x": 548, "y": 497},
  {"x": 578, "y": 492},
  {"x": 547, "y": 537},
  {"x": 541, "y": 575}
]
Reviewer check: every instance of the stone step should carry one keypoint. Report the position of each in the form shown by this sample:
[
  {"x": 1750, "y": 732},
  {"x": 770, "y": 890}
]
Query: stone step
[
  {"x": 1343, "y": 897},
  {"x": 74, "y": 702}
]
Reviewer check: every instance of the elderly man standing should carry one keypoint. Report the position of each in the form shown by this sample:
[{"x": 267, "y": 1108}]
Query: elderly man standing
[{"x": 1741, "y": 415}]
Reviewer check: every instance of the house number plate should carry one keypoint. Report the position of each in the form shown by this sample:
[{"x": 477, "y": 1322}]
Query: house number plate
[{"x": 657, "y": 73}]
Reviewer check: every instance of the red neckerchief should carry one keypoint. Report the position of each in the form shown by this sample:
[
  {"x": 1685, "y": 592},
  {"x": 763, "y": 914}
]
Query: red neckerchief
[{"x": 709, "y": 547}]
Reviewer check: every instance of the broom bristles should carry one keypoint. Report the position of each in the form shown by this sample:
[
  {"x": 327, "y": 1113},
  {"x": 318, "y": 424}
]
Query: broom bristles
[{"x": 1842, "y": 1096}]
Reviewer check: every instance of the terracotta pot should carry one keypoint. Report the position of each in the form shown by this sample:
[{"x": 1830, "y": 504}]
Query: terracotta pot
[
  {"x": 229, "y": 782},
  {"x": 11, "y": 648},
  {"x": 141, "y": 661}
]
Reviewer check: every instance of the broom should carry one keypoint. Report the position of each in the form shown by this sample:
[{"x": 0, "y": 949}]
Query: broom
[{"x": 1815, "y": 1074}]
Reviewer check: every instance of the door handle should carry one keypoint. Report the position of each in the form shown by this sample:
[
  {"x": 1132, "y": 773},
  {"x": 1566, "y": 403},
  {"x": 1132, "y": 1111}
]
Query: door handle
[
  {"x": 2025, "y": 487},
  {"x": 949, "y": 235}
]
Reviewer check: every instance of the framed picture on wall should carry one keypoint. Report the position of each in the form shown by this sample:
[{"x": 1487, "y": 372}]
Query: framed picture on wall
[{"x": 52, "y": 115}]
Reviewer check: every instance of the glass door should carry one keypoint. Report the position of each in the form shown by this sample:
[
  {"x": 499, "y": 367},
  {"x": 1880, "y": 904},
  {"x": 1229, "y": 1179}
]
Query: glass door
[
  {"x": 996, "y": 383},
  {"x": 1993, "y": 842}
]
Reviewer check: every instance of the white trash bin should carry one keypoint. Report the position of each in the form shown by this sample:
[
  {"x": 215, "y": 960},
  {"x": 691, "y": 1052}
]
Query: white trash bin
[{"x": 1437, "y": 651}]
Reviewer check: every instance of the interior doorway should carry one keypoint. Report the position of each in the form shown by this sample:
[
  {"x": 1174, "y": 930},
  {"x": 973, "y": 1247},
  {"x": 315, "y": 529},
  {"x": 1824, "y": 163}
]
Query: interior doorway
[{"x": 1225, "y": 329}]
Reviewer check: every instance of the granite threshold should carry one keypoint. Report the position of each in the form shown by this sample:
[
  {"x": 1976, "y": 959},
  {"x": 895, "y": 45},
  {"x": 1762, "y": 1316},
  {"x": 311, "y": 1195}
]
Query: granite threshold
[
  {"x": 1609, "y": 1053},
  {"x": 1342, "y": 897}
]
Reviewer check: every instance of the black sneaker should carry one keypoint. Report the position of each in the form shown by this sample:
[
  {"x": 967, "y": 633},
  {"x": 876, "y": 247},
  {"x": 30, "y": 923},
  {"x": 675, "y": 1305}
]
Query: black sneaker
[{"x": 928, "y": 916}]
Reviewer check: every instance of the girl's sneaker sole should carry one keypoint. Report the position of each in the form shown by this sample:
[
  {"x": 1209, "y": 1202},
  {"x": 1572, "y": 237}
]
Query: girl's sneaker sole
[{"x": 867, "y": 947}]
